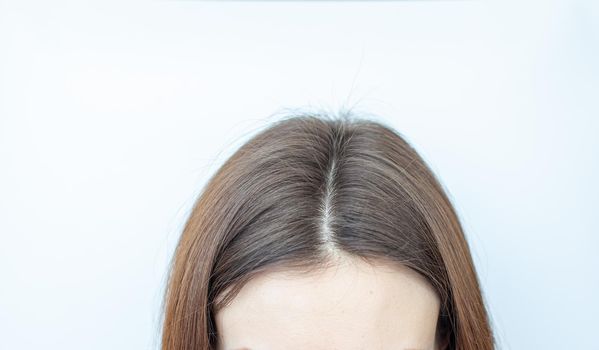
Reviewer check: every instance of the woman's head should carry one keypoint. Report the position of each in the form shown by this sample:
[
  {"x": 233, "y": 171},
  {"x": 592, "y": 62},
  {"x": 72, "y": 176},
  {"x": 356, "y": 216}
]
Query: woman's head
[{"x": 324, "y": 232}]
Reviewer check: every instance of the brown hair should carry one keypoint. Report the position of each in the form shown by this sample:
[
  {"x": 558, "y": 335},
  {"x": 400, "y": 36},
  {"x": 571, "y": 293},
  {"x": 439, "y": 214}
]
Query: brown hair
[{"x": 304, "y": 187}]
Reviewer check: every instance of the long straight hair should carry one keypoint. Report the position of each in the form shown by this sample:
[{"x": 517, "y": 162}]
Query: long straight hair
[{"x": 309, "y": 186}]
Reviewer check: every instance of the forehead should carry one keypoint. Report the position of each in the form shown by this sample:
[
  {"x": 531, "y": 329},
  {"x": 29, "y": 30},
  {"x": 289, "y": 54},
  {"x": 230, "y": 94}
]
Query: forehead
[{"x": 351, "y": 305}]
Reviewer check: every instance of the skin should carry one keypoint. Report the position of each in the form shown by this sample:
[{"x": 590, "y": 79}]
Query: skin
[{"x": 351, "y": 305}]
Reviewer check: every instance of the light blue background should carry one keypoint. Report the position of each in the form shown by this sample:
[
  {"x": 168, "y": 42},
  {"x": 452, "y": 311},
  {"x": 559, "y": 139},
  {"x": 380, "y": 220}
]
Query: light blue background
[{"x": 114, "y": 114}]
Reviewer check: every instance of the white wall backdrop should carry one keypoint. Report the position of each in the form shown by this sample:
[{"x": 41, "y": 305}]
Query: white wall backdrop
[{"x": 113, "y": 115}]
